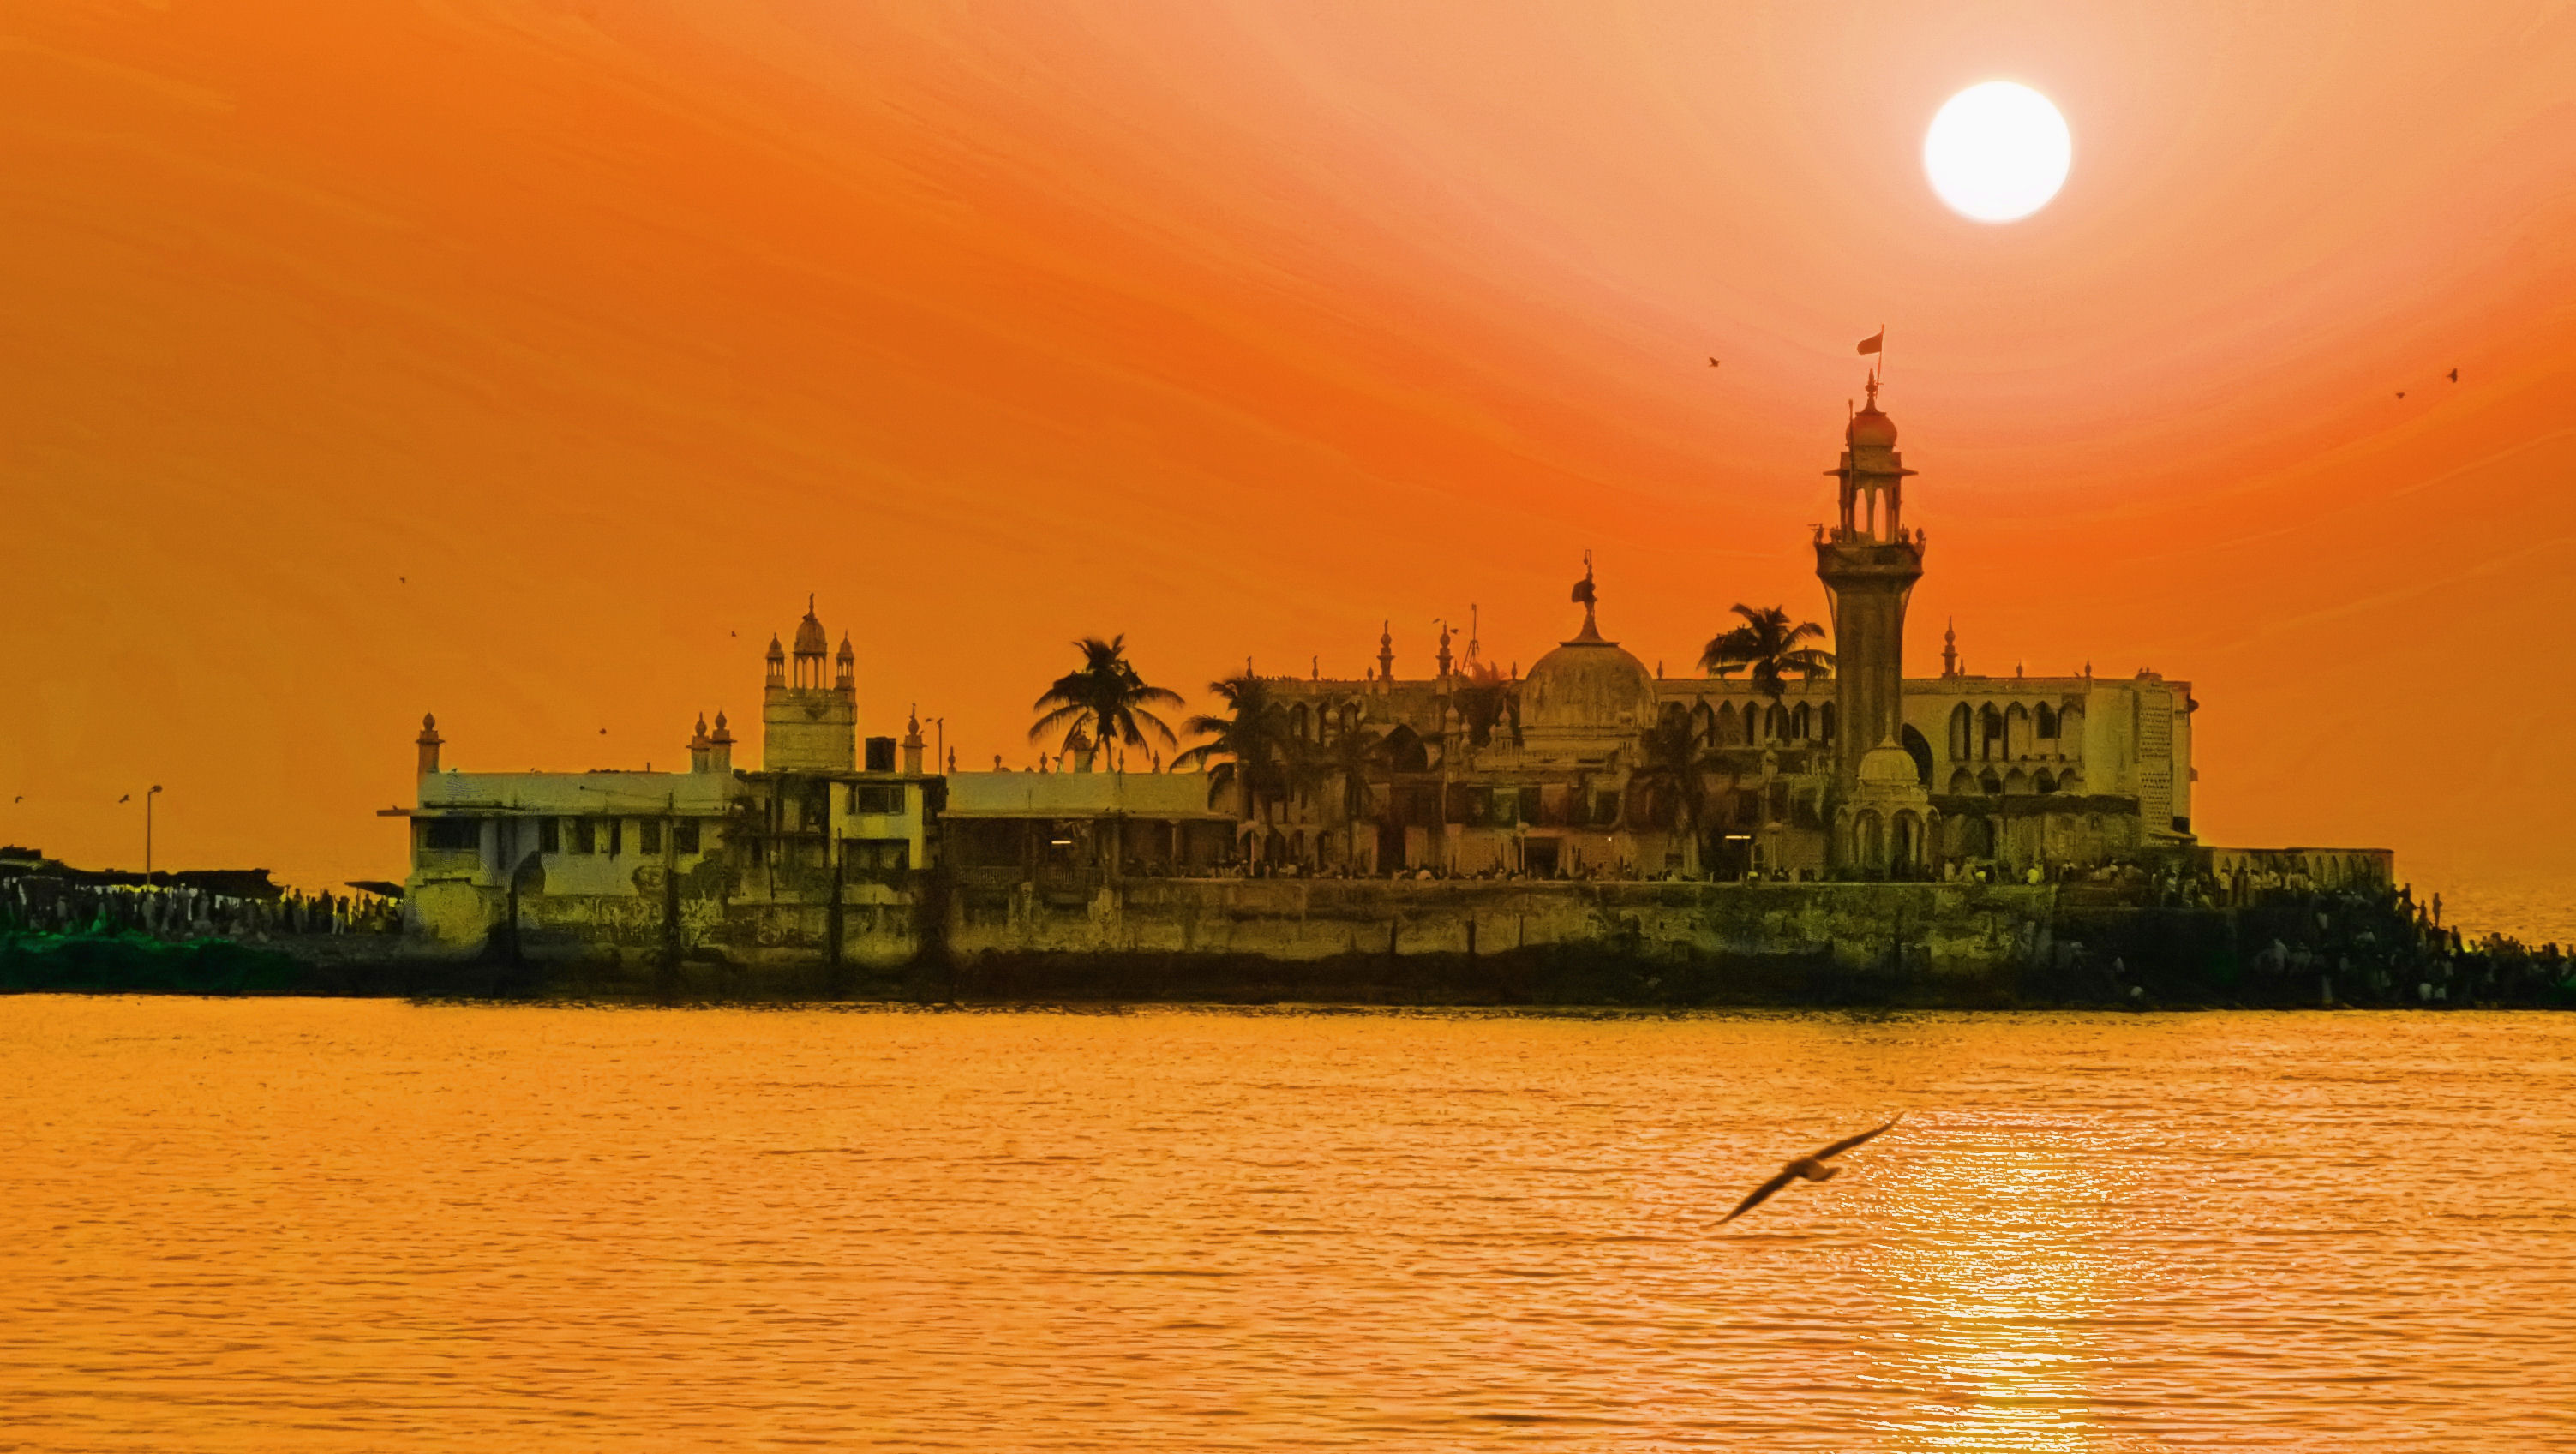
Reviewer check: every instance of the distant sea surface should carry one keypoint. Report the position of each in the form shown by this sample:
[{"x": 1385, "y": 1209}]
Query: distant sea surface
[
  {"x": 363, "y": 1225},
  {"x": 2537, "y": 912}
]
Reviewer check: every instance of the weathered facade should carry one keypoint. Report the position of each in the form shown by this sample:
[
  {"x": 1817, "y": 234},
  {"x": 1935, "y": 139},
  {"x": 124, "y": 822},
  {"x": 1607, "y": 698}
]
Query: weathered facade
[{"x": 815, "y": 850}]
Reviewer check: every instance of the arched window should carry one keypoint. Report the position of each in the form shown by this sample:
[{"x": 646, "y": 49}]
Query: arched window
[
  {"x": 1775, "y": 724},
  {"x": 1704, "y": 723},
  {"x": 2070, "y": 732},
  {"x": 2047, "y": 717},
  {"x": 2017, "y": 731},
  {"x": 2042, "y": 782},
  {"x": 1962, "y": 785},
  {"x": 1826, "y": 715},
  {"x": 1989, "y": 783},
  {"x": 1962, "y": 726},
  {"x": 1800, "y": 722},
  {"x": 1297, "y": 721},
  {"x": 1990, "y": 733},
  {"x": 1729, "y": 730}
]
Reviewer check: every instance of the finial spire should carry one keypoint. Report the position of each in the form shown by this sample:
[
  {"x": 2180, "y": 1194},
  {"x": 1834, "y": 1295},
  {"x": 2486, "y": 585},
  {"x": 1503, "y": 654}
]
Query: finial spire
[{"x": 1585, "y": 593}]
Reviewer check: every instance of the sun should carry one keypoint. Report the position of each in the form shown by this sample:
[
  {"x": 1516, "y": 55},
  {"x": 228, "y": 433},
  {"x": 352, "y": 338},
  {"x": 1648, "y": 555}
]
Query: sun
[{"x": 1997, "y": 152}]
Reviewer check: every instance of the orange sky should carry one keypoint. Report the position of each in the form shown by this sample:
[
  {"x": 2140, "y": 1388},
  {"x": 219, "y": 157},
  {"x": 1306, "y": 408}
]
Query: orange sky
[{"x": 615, "y": 327}]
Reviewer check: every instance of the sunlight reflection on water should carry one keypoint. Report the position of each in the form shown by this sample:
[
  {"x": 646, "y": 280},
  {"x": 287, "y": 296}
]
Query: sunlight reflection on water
[{"x": 360, "y": 1225}]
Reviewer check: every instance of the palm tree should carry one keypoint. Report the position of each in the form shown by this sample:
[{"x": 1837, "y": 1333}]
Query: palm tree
[
  {"x": 1672, "y": 764},
  {"x": 1768, "y": 644},
  {"x": 1245, "y": 744},
  {"x": 1352, "y": 756},
  {"x": 1104, "y": 701}
]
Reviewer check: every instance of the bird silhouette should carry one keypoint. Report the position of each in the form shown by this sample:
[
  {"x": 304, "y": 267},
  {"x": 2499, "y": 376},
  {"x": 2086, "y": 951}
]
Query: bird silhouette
[
  {"x": 603, "y": 731},
  {"x": 405, "y": 580},
  {"x": 2401, "y": 393},
  {"x": 22, "y": 797},
  {"x": 2455, "y": 376},
  {"x": 1712, "y": 363},
  {"x": 1811, "y": 1168},
  {"x": 127, "y": 798}
]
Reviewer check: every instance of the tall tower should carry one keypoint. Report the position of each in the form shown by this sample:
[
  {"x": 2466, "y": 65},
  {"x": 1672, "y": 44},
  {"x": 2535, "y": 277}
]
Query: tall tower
[
  {"x": 809, "y": 724},
  {"x": 1869, "y": 563}
]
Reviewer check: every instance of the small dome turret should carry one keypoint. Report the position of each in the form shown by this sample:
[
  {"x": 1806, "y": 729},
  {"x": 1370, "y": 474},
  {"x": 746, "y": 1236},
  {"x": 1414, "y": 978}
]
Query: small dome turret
[
  {"x": 1869, "y": 428},
  {"x": 1887, "y": 766},
  {"x": 811, "y": 639}
]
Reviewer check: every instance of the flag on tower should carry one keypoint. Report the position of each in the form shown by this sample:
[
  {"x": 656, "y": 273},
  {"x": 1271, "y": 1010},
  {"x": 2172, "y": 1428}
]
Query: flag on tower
[{"x": 1873, "y": 343}]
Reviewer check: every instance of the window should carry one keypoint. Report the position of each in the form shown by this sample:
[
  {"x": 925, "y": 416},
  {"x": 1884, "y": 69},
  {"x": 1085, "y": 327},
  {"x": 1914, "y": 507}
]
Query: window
[
  {"x": 648, "y": 836},
  {"x": 616, "y": 836},
  {"x": 576, "y": 835},
  {"x": 877, "y": 798},
  {"x": 1605, "y": 807},
  {"x": 875, "y": 857},
  {"x": 451, "y": 835},
  {"x": 549, "y": 836},
  {"x": 684, "y": 836}
]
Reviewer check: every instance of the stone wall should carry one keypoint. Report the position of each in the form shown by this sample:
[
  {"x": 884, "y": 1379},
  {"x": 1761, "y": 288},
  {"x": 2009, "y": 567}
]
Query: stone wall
[{"x": 1943, "y": 928}]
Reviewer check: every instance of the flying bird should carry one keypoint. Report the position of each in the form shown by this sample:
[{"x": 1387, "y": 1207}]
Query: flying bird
[
  {"x": 126, "y": 798},
  {"x": 1812, "y": 1168},
  {"x": 405, "y": 580},
  {"x": 2455, "y": 376},
  {"x": 2401, "y": 393},
  {"x": 1712, "y": 363}
]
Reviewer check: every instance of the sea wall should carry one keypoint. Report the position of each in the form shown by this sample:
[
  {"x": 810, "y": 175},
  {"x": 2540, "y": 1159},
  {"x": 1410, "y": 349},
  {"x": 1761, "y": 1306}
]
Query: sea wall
[
  {"x": 1942, "y": 929},
  {"x": 1963, "y": 932}
]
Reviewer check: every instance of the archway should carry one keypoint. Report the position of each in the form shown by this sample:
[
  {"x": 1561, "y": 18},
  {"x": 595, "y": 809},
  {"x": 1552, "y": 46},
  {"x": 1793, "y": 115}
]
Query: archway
[{"x": 1921, "y": 751}]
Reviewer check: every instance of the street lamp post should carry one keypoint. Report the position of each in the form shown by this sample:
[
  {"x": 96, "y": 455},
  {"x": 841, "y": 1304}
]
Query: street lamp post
[{"x": 147, "y": 829}]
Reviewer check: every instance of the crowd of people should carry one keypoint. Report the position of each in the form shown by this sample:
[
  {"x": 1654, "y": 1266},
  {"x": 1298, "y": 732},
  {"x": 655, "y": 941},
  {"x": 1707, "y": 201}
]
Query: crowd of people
[{"x": 60, "y": 904}]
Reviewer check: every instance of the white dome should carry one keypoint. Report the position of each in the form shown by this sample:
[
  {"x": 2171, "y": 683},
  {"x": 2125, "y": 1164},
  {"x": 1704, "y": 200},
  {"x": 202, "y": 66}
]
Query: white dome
[
  {"x": 1887, "y": 766},
  {"x": 1588, "y": 686}
]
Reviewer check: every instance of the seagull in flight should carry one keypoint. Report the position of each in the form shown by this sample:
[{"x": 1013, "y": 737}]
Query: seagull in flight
[{"x": 1812, "y": 1168}]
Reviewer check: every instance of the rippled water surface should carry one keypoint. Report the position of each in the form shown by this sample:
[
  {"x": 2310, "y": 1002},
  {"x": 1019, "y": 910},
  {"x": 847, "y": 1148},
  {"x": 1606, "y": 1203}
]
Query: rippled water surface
[{"x": 364, "y": 1225}]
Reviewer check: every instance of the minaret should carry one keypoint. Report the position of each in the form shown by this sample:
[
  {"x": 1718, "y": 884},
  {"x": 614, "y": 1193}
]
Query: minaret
[
  {"x": 428, "y": 741},
  {"x": 1950, "y": 648},
  {"x": 809, "y": 724},
  {"x": 1869, "y": 563},
  {"x": 701, "y": 748},
  {"x": 912, "y": 743},
  {"x": 1386, "y": 654}
]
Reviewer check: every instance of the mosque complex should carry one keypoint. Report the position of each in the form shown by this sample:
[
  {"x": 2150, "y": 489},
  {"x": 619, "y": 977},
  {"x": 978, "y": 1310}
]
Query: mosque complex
[{"x": 1589, "y": 767}]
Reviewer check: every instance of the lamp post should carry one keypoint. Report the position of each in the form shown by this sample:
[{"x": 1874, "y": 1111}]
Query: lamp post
[{"x": 147, "y": 829}]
